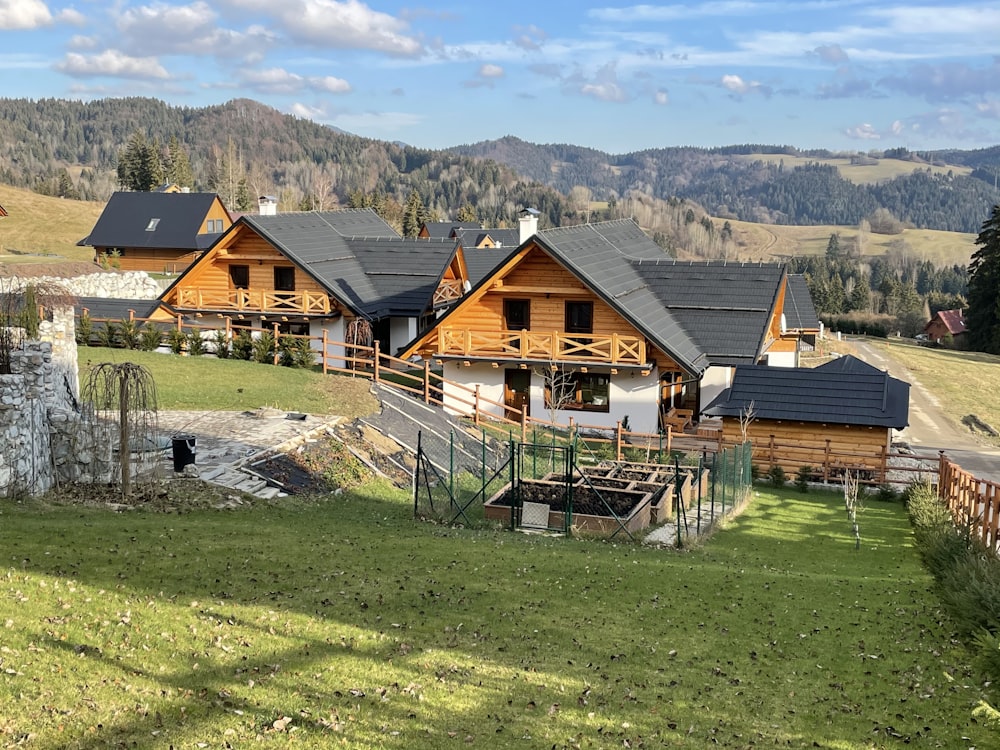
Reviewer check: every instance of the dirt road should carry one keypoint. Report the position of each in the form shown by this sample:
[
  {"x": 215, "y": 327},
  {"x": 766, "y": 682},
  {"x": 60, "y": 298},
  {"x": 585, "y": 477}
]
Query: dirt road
[{"x": 931, "y": 429}]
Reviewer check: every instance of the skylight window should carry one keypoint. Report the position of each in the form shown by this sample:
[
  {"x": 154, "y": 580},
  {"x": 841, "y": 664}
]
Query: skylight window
[{"x": 151, "y": 226}]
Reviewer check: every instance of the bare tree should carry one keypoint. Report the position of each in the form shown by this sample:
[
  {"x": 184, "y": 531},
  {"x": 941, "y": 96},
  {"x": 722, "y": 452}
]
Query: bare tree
[
  {"x": 852, "y": 501},
  {"x": 747, "y": 416}
]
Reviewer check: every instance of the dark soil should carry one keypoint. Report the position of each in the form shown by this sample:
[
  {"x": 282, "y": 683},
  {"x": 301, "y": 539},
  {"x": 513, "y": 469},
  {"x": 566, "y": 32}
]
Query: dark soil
[{"x": 585, "y": 500}]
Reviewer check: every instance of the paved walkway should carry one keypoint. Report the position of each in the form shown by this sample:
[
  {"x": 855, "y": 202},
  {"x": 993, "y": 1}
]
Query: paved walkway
[
  {"x": 931, "y": 429},
  {"x": 228, "y": 442}
]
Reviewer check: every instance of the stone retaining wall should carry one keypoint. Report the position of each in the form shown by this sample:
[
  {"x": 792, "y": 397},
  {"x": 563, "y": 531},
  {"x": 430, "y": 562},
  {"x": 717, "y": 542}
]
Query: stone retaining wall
[
  {"x": 113, "y": 284},
  {"x": 45, "y": 437}
]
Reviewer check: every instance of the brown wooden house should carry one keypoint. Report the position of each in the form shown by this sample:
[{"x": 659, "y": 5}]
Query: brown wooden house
[
  {"x": 636, "y": 334},
  {"x": 834, "y": 417},
  {"x": 158, "y": 232},
  {"x": 314, "y": 272},
  {"x": 946, "y": 326}
]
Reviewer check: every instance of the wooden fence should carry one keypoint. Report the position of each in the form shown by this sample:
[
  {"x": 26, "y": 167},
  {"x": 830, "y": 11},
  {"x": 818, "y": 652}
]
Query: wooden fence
[
  {"x": 973, "y": 502},
  {"x": 419, "y": 380}
]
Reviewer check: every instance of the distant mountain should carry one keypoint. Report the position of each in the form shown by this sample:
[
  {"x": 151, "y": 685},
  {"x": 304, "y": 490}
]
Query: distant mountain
[
  {"x": 71, "y": 149},
  {"x": 744, "y": 182}
]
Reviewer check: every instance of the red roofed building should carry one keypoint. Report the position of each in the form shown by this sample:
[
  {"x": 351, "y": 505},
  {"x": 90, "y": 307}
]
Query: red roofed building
[{"x": 946, "y": 323}]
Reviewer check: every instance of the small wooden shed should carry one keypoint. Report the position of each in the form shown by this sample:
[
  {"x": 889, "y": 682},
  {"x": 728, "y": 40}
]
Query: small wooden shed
[{"x": 834, "y": 417}]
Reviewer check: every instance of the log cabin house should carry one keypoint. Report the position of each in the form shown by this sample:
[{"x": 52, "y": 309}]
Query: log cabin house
[
  {"x": 633, "y": 333},
  {"x": 157, "y": 232},
  {"x": 314, "y": 272},
  {"x": 837, "y": 416},
  {"x": 947, "y": 326}
]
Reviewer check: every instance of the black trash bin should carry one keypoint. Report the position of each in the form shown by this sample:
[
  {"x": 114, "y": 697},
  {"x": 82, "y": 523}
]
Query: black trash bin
[{"x": 184, "y": 449}]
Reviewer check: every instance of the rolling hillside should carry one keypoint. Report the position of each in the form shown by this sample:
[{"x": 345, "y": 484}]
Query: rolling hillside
[{"x": 40, "y": 229}]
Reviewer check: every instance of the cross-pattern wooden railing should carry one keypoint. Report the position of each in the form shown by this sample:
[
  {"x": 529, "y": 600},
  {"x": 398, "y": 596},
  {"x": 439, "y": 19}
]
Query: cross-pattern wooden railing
[
  {"x": 254, "y": 300},
  {"x": 448, "y": 291},
  {"x": 552, "y": 346}
]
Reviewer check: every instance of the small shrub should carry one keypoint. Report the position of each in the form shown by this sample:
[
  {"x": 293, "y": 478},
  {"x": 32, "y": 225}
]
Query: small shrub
[
  {"x": 220, "y": 344},
  {"x": 777, "y": 476},
  {"x": 128, "y": 333},
  {"x": 296, "y": 352},
  {"x": 242, "y": 347},
  {"x": 195, "y": 343},
  {"x": 754, "y": 472},
  {"x": 108, "y": 334},
  {"x": 176, "y": 340},
  {"x": 263, "y": 348},
  {"x": 802, "y": 478},
  {"x": 150, "y": 338},
  {"x": 887, "y": 493},
  {"x": 84, "y": 329}
]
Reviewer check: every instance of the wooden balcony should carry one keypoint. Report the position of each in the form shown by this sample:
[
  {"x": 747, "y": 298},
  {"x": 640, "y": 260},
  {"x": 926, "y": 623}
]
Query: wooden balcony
[
  {"x": 449, "y": 291},
  {"x": 554, "y": 346},
  {"x": 254, "y": 300}
]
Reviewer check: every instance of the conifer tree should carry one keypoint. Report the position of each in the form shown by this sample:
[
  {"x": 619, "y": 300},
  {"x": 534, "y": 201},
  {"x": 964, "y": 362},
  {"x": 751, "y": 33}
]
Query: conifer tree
[
  {"x": 139, "y": 165},
  {"x": 414, "y": 215},
  {"x": 983, "y": 317},
  {"x": 178, "y": 165}
]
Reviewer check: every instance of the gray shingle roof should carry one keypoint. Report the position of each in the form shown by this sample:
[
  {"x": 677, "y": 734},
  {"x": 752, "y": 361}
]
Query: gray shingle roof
[
  {"x": 442, "y": 230},
  {"x": 800, "y": 313},
  {"x": 360, "y": 259},
  {"x": 115, "y": 309},
  {"x": 847, "y": 394},
  {"x": 126, "y": 219},
  {"x": 699, "y": 313}
]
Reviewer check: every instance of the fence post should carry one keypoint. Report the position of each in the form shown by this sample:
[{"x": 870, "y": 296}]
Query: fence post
[
  {"x": 771, "y": 451},
  {"x": 942, "y": 467},
  {"x": 826, "y": 463},
  {"x": 524, "y": 423},
  {"x": 376, "y": 374},
  {"x": 277, "y": 348},
  {"x": 427, "y": 381},
  {"x": 476, "y": 417},
  {"x": 618, "y": 441},
  {"x": 325, "y": 343}
]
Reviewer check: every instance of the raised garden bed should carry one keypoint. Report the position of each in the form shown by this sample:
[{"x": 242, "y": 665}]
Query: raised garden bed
[{"x": 592, "y": 508}]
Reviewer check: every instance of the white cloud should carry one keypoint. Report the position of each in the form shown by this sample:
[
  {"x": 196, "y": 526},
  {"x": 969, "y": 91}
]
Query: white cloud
[
  {"x": 347, "y": 24},
  {"x": 864, "y": 131},
  {"x": 989, "y": 108},
  {"x": 281, "y": 81},
  {"x": 661, "y": 97},
  {"x": 735, "y": 84},
  {"x": 71, "y": 16},
  {"x": 605, "y": 85},
  {"x": 529, "y": 37},
  {"x": 488, "y": 70},
  {"x": 23, "y": 14},
  {"x": 112, "y": 63},
  {"x": 306, "y": 112}
]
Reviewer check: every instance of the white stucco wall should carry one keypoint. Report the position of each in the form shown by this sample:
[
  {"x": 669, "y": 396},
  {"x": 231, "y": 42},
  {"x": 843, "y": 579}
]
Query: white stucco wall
[
  {"x": 335, "y": 334},
  {"x": 631, "y": 395},
  {"x": 782, "y": 359},
  {"x": 489, "y": 378},
  {"x": 401, "y": 332},
  {"x": 714, "y": 382}
]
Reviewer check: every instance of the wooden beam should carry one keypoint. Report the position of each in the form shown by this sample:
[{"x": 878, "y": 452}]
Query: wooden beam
[{"x": 528, "y": 289}]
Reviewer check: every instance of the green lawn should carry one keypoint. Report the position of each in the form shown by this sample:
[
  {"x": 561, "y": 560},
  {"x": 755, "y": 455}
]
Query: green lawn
[
  {"x": 207, "y": 383},
  {"x": 346, "y": 623}
]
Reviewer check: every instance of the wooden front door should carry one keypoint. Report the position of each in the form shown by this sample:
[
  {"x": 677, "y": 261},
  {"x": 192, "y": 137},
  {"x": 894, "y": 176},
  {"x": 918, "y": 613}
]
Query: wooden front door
[{"x": 516, "y": 390}]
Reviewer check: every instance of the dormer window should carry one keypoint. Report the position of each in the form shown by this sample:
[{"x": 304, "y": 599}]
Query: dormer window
[{"x": 151, "y": 226}]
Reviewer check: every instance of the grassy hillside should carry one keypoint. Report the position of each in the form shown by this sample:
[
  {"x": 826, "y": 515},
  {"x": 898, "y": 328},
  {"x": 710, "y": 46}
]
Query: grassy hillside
[
  {"x": 771, "y": 241},
  {"x": 42, "y": 227},
  {"x": 886, "y": 169}
]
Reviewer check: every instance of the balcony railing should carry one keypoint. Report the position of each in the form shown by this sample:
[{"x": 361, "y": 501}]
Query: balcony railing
[
  {"x": 449, "y": 291},
  {"x": 254, "y": 300},
  {"x": 551, "y": 347}
]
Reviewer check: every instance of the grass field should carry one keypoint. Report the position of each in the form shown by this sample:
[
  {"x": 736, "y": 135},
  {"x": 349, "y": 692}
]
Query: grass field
[
  {"x": 964, "y": 382},
  {"x": 769, "y": 242},
  {"x": 42, "y": 226},
  {"x": 210, "y": 384},
  {"x": 886, "y": 169},
  {"x": 346, "y": 623}
]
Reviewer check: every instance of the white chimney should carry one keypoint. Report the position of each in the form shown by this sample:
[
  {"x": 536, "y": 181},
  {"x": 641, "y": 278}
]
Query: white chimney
[
  {"x": 267, "y": 205},
  {"x": 528, "y": 224}
]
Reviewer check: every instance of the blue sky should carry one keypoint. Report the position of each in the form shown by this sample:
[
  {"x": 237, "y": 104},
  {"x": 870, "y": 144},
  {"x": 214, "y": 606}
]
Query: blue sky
[{"x": 839, "y": 74}]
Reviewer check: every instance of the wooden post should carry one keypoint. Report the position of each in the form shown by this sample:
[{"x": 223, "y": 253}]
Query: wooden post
[
  {"x": 325, "y": 343},
  {"x": 476, "y": 416},
  {"x": 614, "y": 348},
  {"x": 376, "y": 369},
  {"x": 524, "y": 423},
  {"x": 771, "y": 451},
  {"x": 427, "y": 381},
  {"x": 942, "y": 465},
  {"x": 618, "y": 441},
  {"x": 826, "y": 462},
  {"x": 276, "y": 347}
]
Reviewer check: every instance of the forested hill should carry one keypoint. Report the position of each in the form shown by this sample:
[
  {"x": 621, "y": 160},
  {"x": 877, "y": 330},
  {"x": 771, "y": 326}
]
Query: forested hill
[
  {"x": 751, "y": 182},
  {"x": 71, "y": 149}
]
